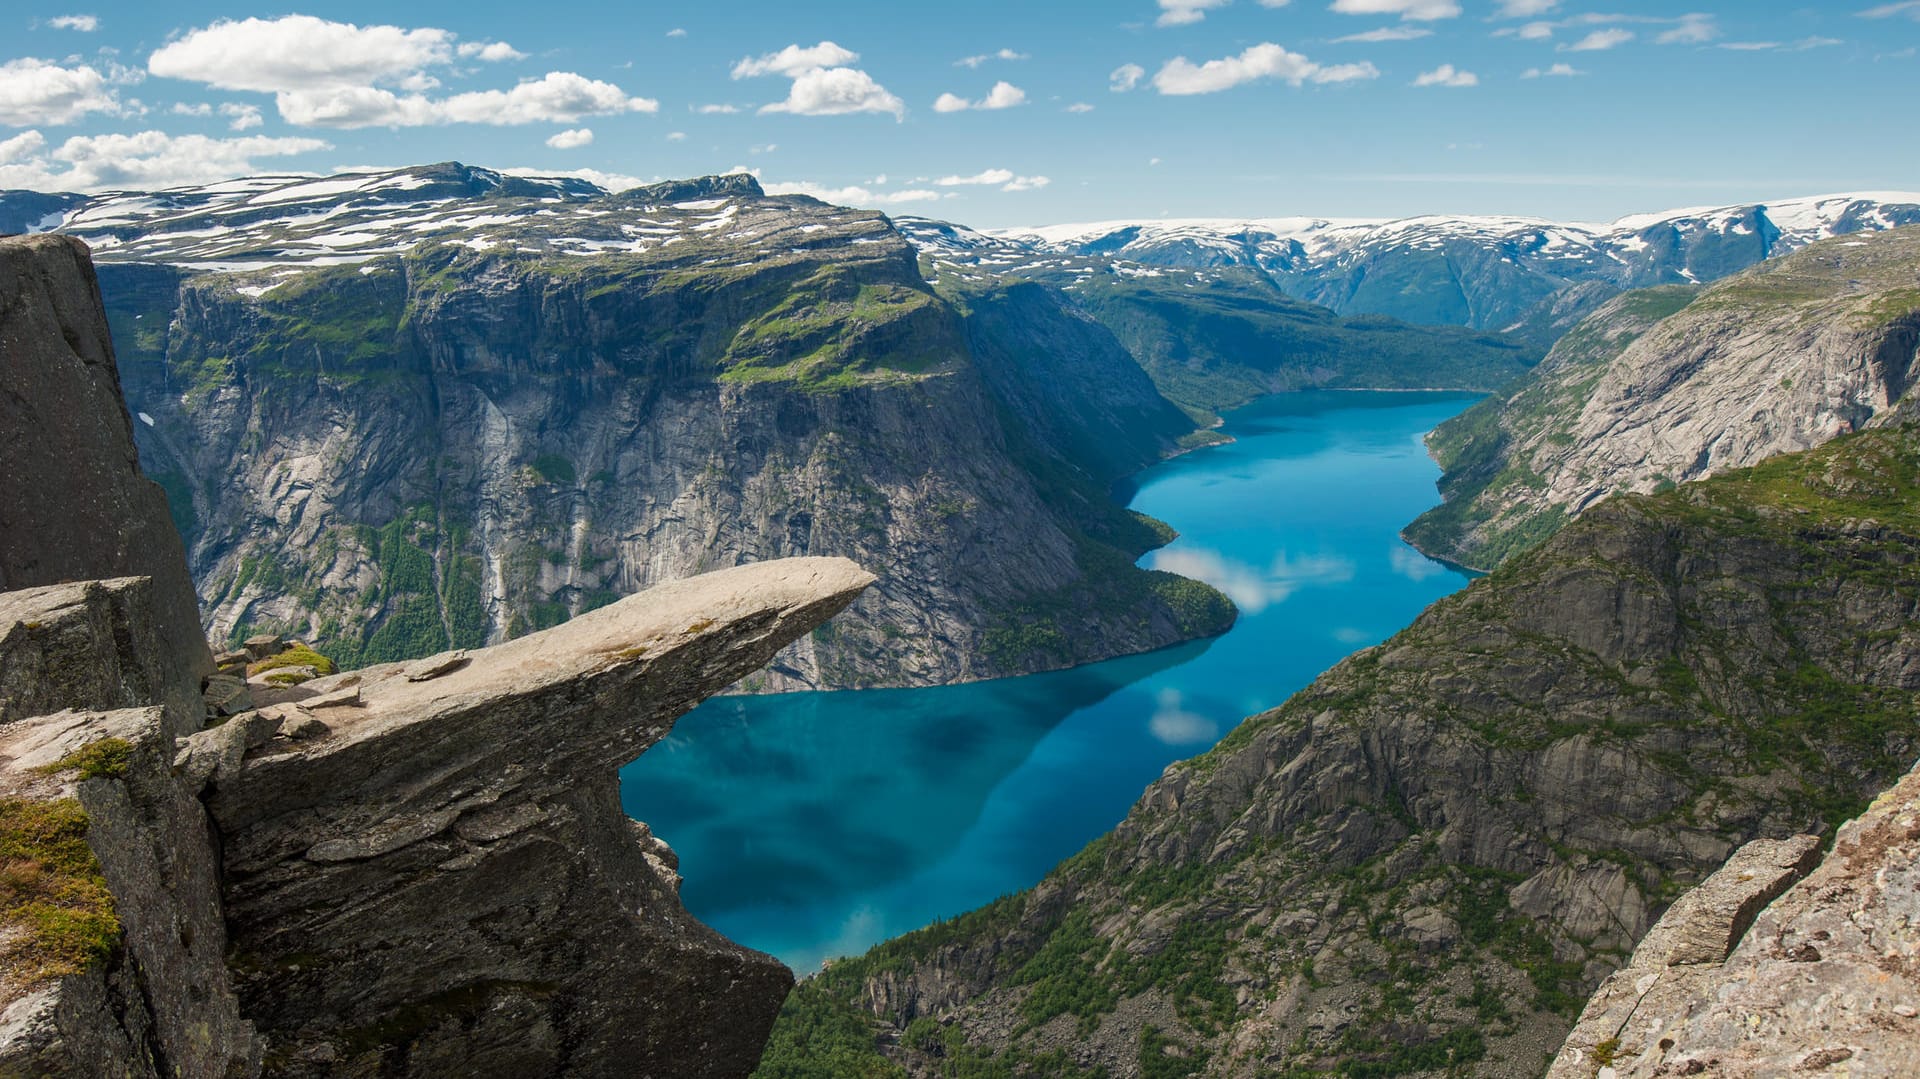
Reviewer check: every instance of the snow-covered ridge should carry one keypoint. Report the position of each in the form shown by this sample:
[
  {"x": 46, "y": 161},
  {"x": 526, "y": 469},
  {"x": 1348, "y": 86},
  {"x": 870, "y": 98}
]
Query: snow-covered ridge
[{"x": 274, "y": 222}]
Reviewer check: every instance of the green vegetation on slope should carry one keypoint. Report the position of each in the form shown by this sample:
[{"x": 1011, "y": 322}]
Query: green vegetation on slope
[
  {"x": 53, "y": 901},
  {"x": 1624, "y": 704}
]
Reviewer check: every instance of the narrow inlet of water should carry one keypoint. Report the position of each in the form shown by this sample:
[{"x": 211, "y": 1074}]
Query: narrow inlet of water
[{"x": 814, "y": 825}]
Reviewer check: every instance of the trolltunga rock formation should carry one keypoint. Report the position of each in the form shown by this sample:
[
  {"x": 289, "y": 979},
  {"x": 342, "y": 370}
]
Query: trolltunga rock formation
[{"x": 417, "y": 870}]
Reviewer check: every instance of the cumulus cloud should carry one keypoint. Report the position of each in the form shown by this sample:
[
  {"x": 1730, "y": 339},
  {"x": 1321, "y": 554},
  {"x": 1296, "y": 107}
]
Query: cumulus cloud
[
  {"x": 854, "y": 195},
  {"x": 1264, "y": 61},
  {"x": 1526, "y": 9},
  {"x": 148, "y": 160},
  {"x": 1447, "y": 75},
  {"x": 241, "y": 117},
  {"x": 709, "y": 110},
  {"x": 990, "y": 176},
  {"x": 557, "y": 97},
  {"x": 571, "y": 139},
  {"x": 492, "y": 52},
  {"x": 36, "y": 92},
  {"x": 334, "y": 74},
  {"x": 822, "y": 83},
  {"x": 1601, "y": 40},
  {"x": 1411, "y": 10},
  {"x": 1387, "y": 33},
  {"x": 676, "y": 136},
  {"x": 1079, "y": 106},
  {"x": 1126, "y": 77},
  {"x": 299, "y": 52},
  {"x": 1693, "y": 30},
  {"x": 1004, "y": 95},
  {"x": 612, "y": 181},
  {"x": 1182, "y": 12},
  {"x": 677, "y": 32},
  {"x": 794, "y": 61},
  {"x": 1557, "y": 71},
  {"x": 86, "y": 24},
  {"x": 976, "y": 61}
]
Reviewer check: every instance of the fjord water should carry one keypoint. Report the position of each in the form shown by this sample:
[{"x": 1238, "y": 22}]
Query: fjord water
[{"x": 812, "y": 825}]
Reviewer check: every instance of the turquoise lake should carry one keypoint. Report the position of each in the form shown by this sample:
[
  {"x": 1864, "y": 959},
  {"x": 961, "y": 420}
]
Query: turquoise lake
[{"x": 813, "y": 825}]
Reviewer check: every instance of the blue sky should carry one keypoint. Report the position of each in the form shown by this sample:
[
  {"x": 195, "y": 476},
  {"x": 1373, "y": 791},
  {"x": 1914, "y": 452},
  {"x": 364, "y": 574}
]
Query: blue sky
[{"x": 998, "y": 113}]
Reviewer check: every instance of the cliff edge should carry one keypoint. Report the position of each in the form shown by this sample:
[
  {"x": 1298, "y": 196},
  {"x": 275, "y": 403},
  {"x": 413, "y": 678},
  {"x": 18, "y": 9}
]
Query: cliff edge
[{"x": 415, "y": 869}]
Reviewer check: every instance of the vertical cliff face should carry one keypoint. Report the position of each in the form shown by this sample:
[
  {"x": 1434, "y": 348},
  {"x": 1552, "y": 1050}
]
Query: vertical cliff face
[
  {"x": 486, "y": 432},
  {"x": 76, "y": 505},
  {"x": 415, "y": 869},
  {"x": 1668, "y": 385}
]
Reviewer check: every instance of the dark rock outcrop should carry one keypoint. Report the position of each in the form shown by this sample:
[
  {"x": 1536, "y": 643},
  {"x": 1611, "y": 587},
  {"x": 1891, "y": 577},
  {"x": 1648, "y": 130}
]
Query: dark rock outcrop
[{"x": 76, "y": 505}]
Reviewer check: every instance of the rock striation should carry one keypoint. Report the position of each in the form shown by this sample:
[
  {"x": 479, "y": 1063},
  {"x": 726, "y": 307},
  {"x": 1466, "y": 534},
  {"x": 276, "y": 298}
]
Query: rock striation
[
  {"x": 415, "y": 869},
  {"x": 1668, "y": 385},
  {"x": 1824, "y": 980}
]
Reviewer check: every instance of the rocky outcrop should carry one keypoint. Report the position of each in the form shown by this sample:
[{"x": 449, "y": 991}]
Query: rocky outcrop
[
  {"x": 1428, "y": 859},
  {"x": 482, "y": 430},
  {"x": 1824, "y": 980},
  {"x": 1669, "y": 385},
  {"x": 414, "y": 869},
  {"x": 76, "y": 505}
]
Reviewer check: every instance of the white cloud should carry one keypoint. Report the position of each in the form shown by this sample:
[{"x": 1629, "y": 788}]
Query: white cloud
[
  {"x": 976, "y": 61},
  {"x": 184, "y": 109},
  {"x": 854, "y": 195},
  {"x": 990, "y": 176},
  {"x": 677, "y": 32},
  {"x": 571, "y": 139},
  {"x": 676, "y": 136},
  {"x": 1251, "y": 588},
  {"x": 492, "y": 52},
  {"x": 1693, "y": 30},
  {"x": 299, "y": 52},
  {"x": 1909, "y": 8},
  {"x": 1600, "y": 41},
  {"x": 1173, "y": 725},
  {"x": 794, "y": 61},
  {"x": 1387, "y": 33},
  {"x": 612, "y": 181},
  {"x": 1079, "y": 106},
  {"x": 837, "y": 91},
  {"x": 557, "y": 97},
  {"x": 1413, "y": 10},
  {"x": 86, "y": 24},
  {"x": 1557, "y": 71},
  {"x": 1264, "y": 61},
  {"x": 1535, "y": 31},
  {"x": 241, "y": 117},
  {"x": 1125, "y": 77},
  {"x": 1182, "y": 12},
  {"x": 149, "y": 160},
  {"x": 1526, "y": 9},
  {"x": 822, "y": 84},
  {"x": 1026, "y": 183},
  {"x": 1446, "y": 75},
  {"x": 1004, "y": 95},
  {"x": 42, "y": 92},
  {"x": 709, "y": 110}
]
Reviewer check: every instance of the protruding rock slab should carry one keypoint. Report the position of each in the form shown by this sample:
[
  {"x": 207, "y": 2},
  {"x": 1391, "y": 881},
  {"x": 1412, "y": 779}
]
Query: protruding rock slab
[
  {"x": 1825, "y": 982},
  {"x": 444, "y": 882},
  {"x": 76, "y": 506}
]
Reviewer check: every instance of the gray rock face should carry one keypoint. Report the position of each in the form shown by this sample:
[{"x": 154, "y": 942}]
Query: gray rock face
[
  {"x": 444, "y": 447},
  {"x": 1667, "y": 386},
  {"x": 443, "y": 883},
  {"x": 1824, "y": 982},
  {"x": 76, "y": 505}
]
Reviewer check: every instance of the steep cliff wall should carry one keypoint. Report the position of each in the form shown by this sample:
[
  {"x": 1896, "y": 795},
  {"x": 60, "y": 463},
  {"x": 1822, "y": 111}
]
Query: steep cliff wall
[
  {"x": 1667, "y": 385},
  {"x": 1428, "y": 859},
  {"x": 450, "y": 446},
  {"x": 410, "y": 870}
]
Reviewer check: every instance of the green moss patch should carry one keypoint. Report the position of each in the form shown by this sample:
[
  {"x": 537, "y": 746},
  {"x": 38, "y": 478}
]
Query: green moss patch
[{"x": 51, "y": 890}]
